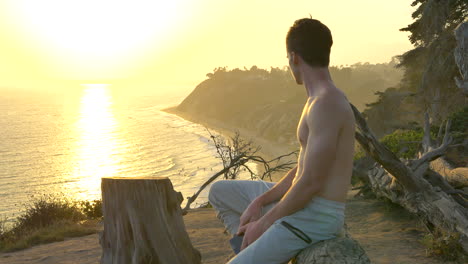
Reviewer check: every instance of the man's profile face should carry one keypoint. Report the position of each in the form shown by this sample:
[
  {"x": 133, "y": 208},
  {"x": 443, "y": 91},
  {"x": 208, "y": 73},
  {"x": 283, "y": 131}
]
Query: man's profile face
[{"x": 292, "y": 60}]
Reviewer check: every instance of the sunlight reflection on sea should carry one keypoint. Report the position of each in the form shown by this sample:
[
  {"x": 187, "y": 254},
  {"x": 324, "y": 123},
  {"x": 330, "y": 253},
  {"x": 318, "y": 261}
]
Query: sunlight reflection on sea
[{"x": 63, "y": 144}]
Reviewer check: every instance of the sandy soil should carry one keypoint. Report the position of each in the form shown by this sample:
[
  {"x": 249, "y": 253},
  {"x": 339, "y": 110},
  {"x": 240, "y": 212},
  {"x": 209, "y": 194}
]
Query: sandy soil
[
  {"x": 205, "y": 231},
  {"x": 389, "y": 235}
]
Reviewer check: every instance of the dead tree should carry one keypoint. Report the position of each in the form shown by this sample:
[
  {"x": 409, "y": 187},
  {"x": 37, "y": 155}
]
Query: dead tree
[
  {"x": 461, "y": 56},
  {"x": 413, "y": 185},
  {"x": 143, "y": 223},
  {"x": 235, "y": 154}
]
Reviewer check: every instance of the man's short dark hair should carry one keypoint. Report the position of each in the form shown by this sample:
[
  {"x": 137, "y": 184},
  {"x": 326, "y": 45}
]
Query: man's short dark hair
[{"x": 311, "y": 40}]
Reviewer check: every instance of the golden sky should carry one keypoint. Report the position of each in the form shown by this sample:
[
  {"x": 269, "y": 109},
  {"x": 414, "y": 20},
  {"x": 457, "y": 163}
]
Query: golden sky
[{"x": 174, "y": 43}]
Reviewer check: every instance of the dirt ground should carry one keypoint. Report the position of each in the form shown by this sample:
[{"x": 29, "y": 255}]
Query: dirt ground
[{"x": 388, "y": 234}]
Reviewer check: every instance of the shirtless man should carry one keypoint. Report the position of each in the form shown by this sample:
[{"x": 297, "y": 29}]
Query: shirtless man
[{"x": 307, "y": 204}]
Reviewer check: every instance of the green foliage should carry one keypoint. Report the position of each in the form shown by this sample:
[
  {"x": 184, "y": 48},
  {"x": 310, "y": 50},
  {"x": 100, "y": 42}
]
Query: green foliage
[
  {"x": 446, "y": 245},
  {"x": 92, "y": 209},
  {"x": 382, "y": 116},
  {"x": 359, "y": 152},
  {"x": 46, "y": 210},
  {"x": 3, "y": 229},
  {"x": 459, "y": 127},
  {"x": 359, "y": 155},
  {"x": 57, "y": 231},
  {"x": 49, "y": 218},
  {"x": 460, "y": 120},
  {"x": 430, "y": 67},
  {"x": 404, "y": 143},
  {"x": 270, "y": 101}
]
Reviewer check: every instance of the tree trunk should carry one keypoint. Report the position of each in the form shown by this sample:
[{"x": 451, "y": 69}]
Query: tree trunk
[
  {"x": 461, "y": 56},
  {"x": 337, "y": 250},
  {"x": 143, "y": 223},
  {"x": 414, "y": 185}
]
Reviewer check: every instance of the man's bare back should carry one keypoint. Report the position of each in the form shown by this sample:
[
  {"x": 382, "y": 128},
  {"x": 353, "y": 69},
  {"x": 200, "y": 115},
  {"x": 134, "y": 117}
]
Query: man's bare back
[
  {"x": 337, "y": 182},
  {"x": 307, "y": 204}
]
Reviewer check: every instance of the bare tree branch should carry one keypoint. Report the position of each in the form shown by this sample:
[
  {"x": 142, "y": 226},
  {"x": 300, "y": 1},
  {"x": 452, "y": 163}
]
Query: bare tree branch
[
  {"x": 235, "y": 155},
  {"x": 382, "y": 154},
  {"x": 418, "y": 188},
  {"x": 431, "y": 153}
]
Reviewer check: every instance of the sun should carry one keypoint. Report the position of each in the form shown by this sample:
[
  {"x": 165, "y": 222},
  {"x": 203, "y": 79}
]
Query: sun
[{"x": 98, "y": 36}]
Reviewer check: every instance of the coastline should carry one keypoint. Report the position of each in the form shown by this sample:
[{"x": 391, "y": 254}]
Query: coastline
[
  {"x": 388, "y": 235},
  {"x": 269, "y": 150}
]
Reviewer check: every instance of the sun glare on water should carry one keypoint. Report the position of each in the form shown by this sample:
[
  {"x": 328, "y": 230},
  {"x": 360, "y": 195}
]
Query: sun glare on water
[{"x": 97, "y": 144}]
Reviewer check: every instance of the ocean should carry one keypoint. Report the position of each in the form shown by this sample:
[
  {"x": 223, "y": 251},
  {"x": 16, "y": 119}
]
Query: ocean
[{"x": 63, "y": 143}]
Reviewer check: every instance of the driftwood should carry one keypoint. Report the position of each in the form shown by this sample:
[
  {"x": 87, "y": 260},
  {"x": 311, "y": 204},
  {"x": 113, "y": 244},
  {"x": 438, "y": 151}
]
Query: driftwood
[
  {"x": 414, "y": 185},
  {"x": 334, "y": 251},
  {"x": 143, "y": 223}
]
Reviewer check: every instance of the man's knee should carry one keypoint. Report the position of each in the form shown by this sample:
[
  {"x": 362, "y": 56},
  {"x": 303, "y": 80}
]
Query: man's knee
[{"x": 216, "y": 191}]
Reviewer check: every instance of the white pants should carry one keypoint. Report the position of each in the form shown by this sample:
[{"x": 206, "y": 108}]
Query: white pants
[{"x": 320, "y": 220}]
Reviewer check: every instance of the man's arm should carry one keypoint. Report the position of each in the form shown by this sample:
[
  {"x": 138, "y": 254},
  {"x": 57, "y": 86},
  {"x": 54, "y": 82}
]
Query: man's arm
[
  {"x": 324, "y": 124},
  {"x": 279, "y": 189},
  {"x": 254, "y": 210}
]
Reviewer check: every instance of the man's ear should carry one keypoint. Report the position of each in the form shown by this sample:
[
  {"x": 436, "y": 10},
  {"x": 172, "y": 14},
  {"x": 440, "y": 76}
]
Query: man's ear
[{"x": 294, "y": 58}]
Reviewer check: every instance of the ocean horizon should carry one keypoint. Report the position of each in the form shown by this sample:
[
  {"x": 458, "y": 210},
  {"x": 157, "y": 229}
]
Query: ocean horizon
[{"x": 62, "y": 145}]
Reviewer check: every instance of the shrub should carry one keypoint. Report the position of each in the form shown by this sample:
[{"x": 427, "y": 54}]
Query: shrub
[
  {"x": 445, "y": 245},
  {"x": 404, "y": 143},
  {"x": 92, "y": 209},
  {"x": 57, "y": 231},
  {"x": 459, "y": 127},
  {"x": 407, "y": 143},
  {"x": 46, "y": 210},
  {"x": 359, "y": 155},
  {"x": 47, "y": 219}
]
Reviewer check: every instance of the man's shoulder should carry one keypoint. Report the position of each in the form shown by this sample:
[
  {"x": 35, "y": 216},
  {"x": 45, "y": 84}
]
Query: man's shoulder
[
  {"x": 330, "y": 103},
  {"x": 331, "y": 109}
]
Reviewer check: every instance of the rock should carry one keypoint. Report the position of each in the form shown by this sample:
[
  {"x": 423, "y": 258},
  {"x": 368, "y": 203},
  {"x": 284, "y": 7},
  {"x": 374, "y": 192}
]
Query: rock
[{"x": 334, "y": 251}]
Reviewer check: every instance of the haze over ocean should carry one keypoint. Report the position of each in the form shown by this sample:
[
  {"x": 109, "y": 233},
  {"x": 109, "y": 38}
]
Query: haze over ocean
[{"x": 54, "y": 143}]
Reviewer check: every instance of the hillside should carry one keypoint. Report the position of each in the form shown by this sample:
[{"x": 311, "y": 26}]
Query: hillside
[{"x": 269, "y": 102}]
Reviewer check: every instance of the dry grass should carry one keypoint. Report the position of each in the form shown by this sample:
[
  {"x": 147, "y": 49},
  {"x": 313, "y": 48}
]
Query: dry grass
[
  {"x": 49, "y": 219},
  {"x": 57, "y": 231},
  {"x": 444, "y": 245}
]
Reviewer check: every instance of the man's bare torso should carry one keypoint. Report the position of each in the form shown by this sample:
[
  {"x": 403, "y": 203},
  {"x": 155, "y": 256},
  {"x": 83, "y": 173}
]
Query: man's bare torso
[{"x": 337, "y": 182}]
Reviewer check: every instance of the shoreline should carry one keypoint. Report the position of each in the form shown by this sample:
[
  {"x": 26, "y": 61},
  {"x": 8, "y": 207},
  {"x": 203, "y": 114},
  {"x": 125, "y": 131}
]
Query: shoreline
[
  {"x": 387, "y": 234},
  {"x": 269, "y": 150}
]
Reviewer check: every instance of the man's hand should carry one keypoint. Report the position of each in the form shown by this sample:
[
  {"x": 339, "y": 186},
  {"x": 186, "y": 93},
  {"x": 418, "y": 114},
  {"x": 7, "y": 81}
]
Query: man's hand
[
  {"x": 252, "y": 231},
  {"x": 251, "y": 214}
]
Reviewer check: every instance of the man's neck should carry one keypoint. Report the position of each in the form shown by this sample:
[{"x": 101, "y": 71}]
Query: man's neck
[{"x": 316, "y": 80}]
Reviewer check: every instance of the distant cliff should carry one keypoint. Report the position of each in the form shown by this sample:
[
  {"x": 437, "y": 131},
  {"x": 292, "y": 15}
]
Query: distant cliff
[{"x": 269, "y": 103}]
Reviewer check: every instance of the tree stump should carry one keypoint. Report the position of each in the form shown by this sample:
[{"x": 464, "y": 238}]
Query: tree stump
[
  {"x": 334, "y": 251},
  {"x": 143, "y": 223}
]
